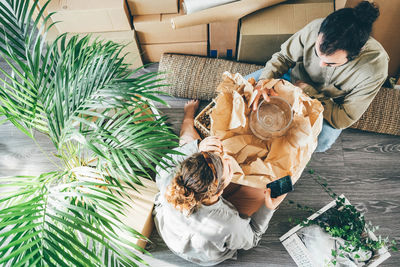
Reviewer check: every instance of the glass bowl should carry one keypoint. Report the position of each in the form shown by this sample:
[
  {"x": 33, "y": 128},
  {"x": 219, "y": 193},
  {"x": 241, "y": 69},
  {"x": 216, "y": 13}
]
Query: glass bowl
[{"x": 271, "y": 119}]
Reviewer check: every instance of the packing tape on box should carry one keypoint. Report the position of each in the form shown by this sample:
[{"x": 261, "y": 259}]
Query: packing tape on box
[{"x": 191, "y": 6}]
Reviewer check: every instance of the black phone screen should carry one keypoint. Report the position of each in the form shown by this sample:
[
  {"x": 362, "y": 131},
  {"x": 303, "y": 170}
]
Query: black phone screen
[{"x": 281, "y": 186}]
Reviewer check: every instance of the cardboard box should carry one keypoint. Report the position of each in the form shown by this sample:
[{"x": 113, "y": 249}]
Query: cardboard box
[
  {"x": 127, "y": 38},
  {"x": 153, "y": 52},
  {"x": 131, "y": 49},
  {"x": 303, "y": 257},
  {"x": 139, "y": 215},
  {"x": 89, "y": 15},
  {"x": 223, "y": 37},
  {"x": 156, "y": 29},
  {"x": 263, "y": 32},
  {"x": 148, "y": 7},
  {"x": 339, "y": 4},
  {"x": 386, "y": 30},
  {"x": 53, "y": 32}
]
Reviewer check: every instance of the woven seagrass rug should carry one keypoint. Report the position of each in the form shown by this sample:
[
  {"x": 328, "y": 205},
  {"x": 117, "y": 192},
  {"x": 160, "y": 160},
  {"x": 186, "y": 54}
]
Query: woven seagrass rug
[
  {"x": 383, "y": 115},
  {"x": 197, "y": 77}
]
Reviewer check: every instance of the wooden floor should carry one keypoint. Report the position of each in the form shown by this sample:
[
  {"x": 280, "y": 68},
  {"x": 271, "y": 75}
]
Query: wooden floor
[{"x": 364, "y": 166}]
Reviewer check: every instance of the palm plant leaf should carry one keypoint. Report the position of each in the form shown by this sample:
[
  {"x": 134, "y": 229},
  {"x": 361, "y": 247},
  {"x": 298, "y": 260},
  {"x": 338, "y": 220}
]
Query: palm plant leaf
[
  {"x": 77, "y": 217},
  {"x": 79, "y": 93}
]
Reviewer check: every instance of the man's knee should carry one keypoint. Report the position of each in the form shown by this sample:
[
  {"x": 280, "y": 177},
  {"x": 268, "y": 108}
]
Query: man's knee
[{"x": 327, "y": 137}]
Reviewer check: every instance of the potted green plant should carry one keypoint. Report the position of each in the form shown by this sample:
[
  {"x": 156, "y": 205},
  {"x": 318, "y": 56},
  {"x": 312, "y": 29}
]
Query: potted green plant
[
  {"x": 80, "y": 94},
  {"x": 340, "y": 228}
]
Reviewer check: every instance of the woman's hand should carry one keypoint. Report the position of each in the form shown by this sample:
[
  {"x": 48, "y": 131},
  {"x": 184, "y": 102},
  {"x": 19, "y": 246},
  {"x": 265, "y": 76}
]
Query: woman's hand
[
  {"x": 272, "y": 203},
  {"x": 262, "y": 90},
  {"x": 211, "y": 144}
]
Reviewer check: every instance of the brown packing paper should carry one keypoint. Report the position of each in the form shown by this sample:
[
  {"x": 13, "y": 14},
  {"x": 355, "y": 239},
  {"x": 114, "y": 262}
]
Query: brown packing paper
[
  {"x": 258, "y": 162},
  {"x": 250, "y": 153},
  {"x": 238, "y": 118},
  {"x": 236, "y": 143}
]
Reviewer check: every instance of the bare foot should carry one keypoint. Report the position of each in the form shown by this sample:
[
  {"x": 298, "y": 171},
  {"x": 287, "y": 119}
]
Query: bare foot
[
  {"x": 190, "y": 109},
  {"x": 188, "y": 132}
]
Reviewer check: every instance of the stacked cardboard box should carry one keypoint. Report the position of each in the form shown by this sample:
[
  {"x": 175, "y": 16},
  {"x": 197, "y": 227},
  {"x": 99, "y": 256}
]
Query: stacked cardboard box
[
  {"x": 89, "y": 15},
  {"x": 263, "y": 32},
  {"x": 139, "y": 214},
  {"x": 149, "y": 7},
  {"x": 106, "y": 19},
  {"x": 339, "y": 4},
  {"x": 222, "y": 38},
  {"x": 126, "y": 38},
  {"x": 156, "y": 36}
]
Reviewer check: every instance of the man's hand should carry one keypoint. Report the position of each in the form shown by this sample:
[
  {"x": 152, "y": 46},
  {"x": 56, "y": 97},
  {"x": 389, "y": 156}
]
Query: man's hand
[
  {"x": 262, "y": 90},
  {"x": 272, "y": 203},
  {"x": 211, "y": 144}
]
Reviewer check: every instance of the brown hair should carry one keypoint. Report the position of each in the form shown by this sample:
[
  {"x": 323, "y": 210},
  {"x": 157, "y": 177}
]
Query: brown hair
[{"x": 195, "y": 181}]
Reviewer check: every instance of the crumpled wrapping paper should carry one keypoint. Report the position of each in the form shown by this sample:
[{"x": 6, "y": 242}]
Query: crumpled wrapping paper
[{"x": 258, "y": 162}]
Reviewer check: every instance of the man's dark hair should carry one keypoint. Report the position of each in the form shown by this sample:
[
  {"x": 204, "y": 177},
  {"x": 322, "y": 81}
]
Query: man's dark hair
[{"x": 348, "y": 29}]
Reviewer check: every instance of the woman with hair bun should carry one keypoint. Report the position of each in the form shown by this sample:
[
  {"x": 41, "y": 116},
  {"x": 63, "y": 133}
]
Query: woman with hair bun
[{"x": 193, "y": 211}]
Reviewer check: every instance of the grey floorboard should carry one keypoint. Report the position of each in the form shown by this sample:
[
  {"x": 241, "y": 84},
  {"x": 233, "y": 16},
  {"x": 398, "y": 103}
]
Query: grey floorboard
[
  {"x": 361, "y": 165},
  {"x": 19, "y": 155}
]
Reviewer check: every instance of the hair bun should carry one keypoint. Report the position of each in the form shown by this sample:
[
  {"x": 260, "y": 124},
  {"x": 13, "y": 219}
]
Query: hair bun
[{"x": 367, "y": 12}]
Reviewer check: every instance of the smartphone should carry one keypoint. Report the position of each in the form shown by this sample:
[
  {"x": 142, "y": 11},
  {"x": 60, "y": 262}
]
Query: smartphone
[{"x": 281, "y": 186}]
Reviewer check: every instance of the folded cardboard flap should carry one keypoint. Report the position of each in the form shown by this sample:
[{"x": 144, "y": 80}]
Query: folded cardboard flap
[
  {"x": 153, "y": 52},
  {"x": 139, "y": 214},
  {"x": 148, "y": 7},
  {"x": 263, "y": 32},
  {"x": 89, "y": 15},
  {"x": 156, "y": 29}
]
